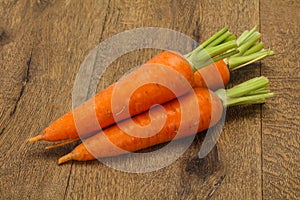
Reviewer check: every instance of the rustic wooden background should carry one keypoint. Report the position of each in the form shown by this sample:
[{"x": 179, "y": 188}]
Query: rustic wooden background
[{"x": 43, "y": 43}]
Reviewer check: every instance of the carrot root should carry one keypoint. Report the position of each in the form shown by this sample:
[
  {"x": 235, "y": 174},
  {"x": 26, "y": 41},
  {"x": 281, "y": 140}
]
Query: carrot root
[
  {"x": 65, "y": 158},
  {"x": 62, "y": 143},
  {"x": 36, "y": 138}
]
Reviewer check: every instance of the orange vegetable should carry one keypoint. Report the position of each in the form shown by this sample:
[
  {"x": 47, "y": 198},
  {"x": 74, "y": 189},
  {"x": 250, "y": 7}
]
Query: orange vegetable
[
  {"x": 214, "y": 76},
  {"x": 210, "y": 105},
  {"x": 141, "y": 100},
  {"x": 100, "y": 146}
]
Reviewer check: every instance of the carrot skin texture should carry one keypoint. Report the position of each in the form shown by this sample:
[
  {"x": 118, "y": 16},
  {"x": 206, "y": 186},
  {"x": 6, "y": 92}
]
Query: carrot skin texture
[
  {"x": 214, "y": 76},
  {"x": 100, "y": 145},
  {"x": 141, "y": 100}
]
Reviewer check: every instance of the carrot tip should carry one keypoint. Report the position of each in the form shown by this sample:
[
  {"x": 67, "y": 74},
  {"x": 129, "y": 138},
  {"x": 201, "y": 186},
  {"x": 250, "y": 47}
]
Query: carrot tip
[
  {"x": 65, "y": 158},
  {"x": 36, "y": 138}
]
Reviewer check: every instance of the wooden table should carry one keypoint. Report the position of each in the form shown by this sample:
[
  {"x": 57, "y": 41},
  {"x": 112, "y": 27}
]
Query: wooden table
[{"x": 43, "y": 43}]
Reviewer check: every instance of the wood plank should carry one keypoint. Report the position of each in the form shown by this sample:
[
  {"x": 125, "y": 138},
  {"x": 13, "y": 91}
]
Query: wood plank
[
  {"x": 102, "y": 182},
  {"x": 15, "y": 50},
  {"x": 238, "y": 172},
  {"x": 42, "y": 44},
  {"x": 280, "y": 122},
  {"x": 27, "y": 170},
  {"x": 239, "y": 146}
]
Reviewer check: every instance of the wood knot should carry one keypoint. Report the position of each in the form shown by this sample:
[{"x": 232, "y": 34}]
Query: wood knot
[
  {"x": 4, "y": 37},
  {"x": 204, "y": 167},
  {"x": 42, "y": 4}
]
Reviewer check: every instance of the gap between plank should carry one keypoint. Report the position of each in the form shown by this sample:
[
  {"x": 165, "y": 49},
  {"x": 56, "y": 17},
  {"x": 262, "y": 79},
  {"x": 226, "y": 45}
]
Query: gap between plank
[
  {"x": 261, "y": 115},
  {"x": 68, "y": 181}
]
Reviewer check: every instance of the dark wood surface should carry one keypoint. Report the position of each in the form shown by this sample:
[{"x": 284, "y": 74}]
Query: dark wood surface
[{"x": 43, "y": 43}]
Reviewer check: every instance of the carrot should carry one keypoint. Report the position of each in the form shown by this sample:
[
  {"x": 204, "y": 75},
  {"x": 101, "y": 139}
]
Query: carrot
[
  {"x": 115, "y": 141},
  {"x": 214, "y": 76},
  {"x": 142, "y": 99},
  {"x": 217, "y": 74}
]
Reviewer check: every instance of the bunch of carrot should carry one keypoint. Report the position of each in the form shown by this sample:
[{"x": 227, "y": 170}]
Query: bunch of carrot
[{"x": 197, "y": 74}]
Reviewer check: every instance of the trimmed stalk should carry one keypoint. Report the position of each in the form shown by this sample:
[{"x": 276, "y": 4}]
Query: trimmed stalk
[
  {"x": 253, "y": 91},
  {"x": 235, "y": 56},
  {"x": 212, "y": 39},
  {"x": 245, "y": 35},
  {"x": 241, "y": 61},
  {"x": 220, "y": 39},
  {"x": 201, "y": 59},
  {"x": 249, "y": 43},
  {"x": 249, "y": 52},
  {"x": 230, "y": 38},
  {"x": 255, "y": 48}
]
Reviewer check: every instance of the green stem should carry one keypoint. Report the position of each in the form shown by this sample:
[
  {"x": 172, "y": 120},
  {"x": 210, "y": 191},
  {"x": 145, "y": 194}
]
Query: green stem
[
  {"x": 203, "y": 58},
  {"x": 208, "y": 41},
  {"x": 230, "y": 38},
  {"x": 241, "y": 61},
  {"x": 214, "y": 51},
  {"x": 259, "y": 91},
  {"x": 245, "y": 35},
  {"x": 219, "y": 39},
  {"x": 220, "y": 46},
  {"x": 225, "y": 55},
  {"x": 214, "y": 37},
  {"x": 249, "y": 52},
  {"x": 248, "y": 86},
  {"x": 253, "y": 91},
  {"x": 253, "y": 99},
  {"x": 242, "y": 36},
  {"x": 249, "y": 43},
  {"x": 256, "y": 35},
  {"x": 255, "y": 48}
]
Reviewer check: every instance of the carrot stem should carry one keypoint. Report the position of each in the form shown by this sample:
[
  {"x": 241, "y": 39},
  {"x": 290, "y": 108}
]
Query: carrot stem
[
  {"x": 247, "y": 86},
  {"x": 240, "y": 61},
  {"x": 225, "y": 55},
  {"x": 253, "y": 91},
  {"x": 255, "y": 48},
  {"x": 213, "y": 38},
  {"x": 201, "y": 59},
  {"x": 242, "y": 36},
  {"x": 219, "y": 39},
  {"x": 230, "y": 38},
  {"x": 214, "y": 51},
  {"x": 259, "y": 91},
  {"x": 253, "y": 99},
  {"x": 245, "y": 35},
  {"x": 208, "y": 41},
  {"x": 205, "y": 44},
  {"x": 249, "y": 43},
  {"x": 249, "y": 51}
]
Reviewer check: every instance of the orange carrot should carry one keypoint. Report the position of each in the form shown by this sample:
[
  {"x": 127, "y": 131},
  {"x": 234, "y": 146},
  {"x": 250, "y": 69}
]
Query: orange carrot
[
  {"x": 210, "y": 106},
  {"x": 141, "y": 100},
  {"x": 146, "y": 96},
  {"x": 126, "y": 142},
  {"x": 214, "y": 76}
]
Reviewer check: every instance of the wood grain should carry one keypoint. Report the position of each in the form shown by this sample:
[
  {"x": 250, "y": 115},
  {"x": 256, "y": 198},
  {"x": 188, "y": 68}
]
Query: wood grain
[
  {"x": 48, "y": 77},
  {"x": 240, "y": 141},
  {"x": 280, "y": 122},
  {"x": 43, "y": 43}
]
